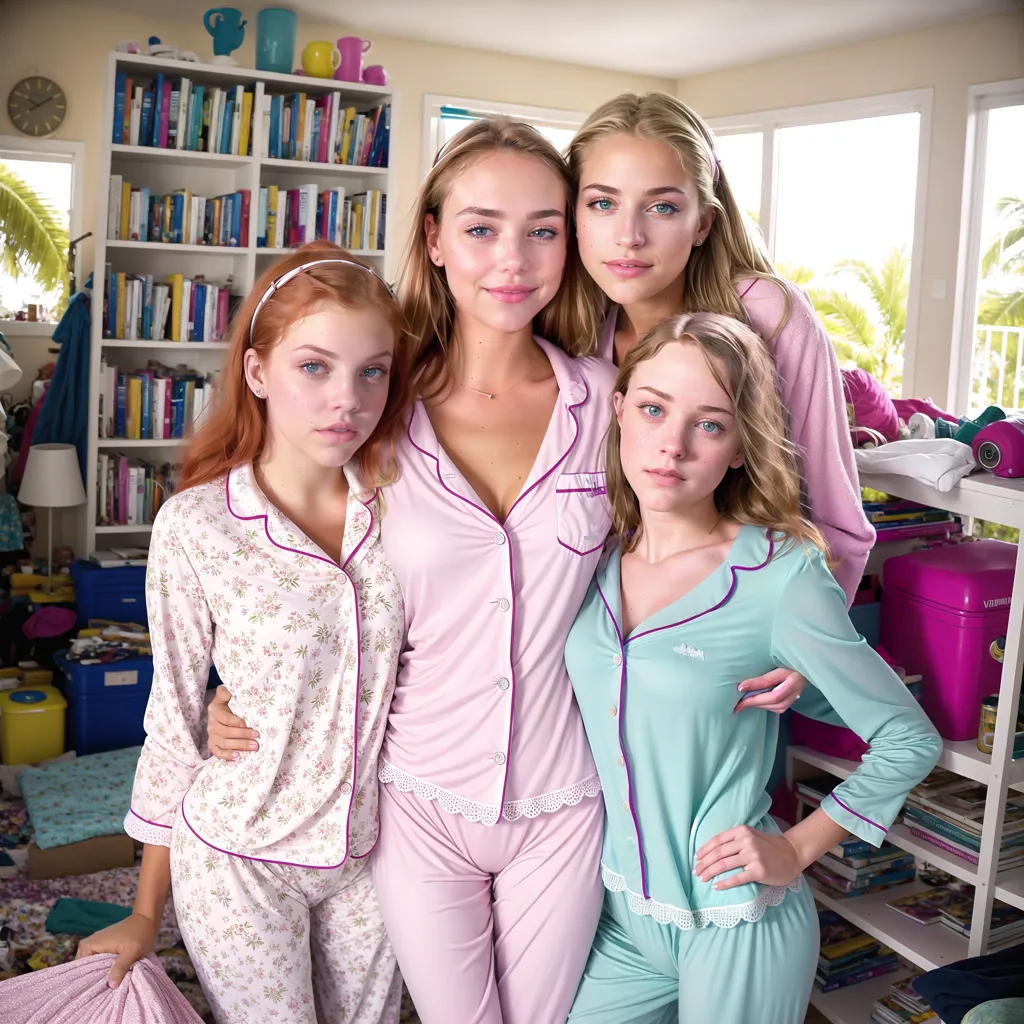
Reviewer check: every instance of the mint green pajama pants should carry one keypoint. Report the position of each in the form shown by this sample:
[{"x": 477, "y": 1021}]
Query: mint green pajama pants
[{"x": 757, "y": 972}]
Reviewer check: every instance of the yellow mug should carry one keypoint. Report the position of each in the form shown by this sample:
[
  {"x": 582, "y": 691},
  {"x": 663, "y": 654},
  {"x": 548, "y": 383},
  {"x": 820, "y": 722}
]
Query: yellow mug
[{"x": 320, "y": 59}]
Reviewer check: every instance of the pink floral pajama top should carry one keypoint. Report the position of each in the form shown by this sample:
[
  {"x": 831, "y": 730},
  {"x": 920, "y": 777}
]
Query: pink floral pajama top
[{"x": 308, "y": 648}]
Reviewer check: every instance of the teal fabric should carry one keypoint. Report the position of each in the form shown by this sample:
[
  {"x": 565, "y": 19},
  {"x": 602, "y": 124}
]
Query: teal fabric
[
  {"x": 642, "y": 972},
  {"x": 997, "y": 1011},
  {"x": 678, "y": 767},
  {"x": 83, "y": 917},
  {"x": 79, "y": 799}
]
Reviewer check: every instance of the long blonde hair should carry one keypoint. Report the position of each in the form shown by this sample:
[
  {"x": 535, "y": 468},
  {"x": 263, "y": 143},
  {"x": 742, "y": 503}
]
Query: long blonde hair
[
  {"x": 730, "y": 253},
  {"x": 765, "y": 489},
  {"x": 569, "y": 320}
]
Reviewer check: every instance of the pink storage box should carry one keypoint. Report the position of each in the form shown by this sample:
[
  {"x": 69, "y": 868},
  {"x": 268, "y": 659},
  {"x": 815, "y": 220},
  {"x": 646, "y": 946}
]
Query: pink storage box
[{"x": 944, "y": 615}]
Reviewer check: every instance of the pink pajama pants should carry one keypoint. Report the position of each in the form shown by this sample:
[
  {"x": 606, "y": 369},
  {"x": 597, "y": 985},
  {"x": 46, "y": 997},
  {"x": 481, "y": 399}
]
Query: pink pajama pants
[
  {"x": 276, "y": 943},
  {"x": 491, "y": 924}
]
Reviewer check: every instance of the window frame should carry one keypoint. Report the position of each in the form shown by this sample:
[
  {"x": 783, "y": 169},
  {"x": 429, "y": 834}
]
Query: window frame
[
  {"x": 769, "y": 122},
  {"x": 981, "y": 99},
  {"x": 433, "y": 103},
  {"x": 20, "y": 147}
]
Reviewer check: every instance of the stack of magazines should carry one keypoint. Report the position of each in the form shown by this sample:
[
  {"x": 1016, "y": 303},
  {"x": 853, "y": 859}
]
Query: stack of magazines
[
  {"x": 946, "y": 810},
  {"x": 849, "y": 955},
  {"x": 953, "y": 906},
  {"x": 854, "y": 868},
  {"x": 903, "y": 1005}
]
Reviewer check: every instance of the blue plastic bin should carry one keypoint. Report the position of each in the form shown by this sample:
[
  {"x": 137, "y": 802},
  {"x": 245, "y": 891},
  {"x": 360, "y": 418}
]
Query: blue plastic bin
[
  {"x": 118, "y": 594},
  {"x": 106, "y": 703}
]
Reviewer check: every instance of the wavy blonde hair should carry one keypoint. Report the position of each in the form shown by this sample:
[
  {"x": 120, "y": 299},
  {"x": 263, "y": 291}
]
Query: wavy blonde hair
[
  {"x": 730, "y": 253},
  {"x": 765, "y": 490},
  {"x": 569, "y": 320}
]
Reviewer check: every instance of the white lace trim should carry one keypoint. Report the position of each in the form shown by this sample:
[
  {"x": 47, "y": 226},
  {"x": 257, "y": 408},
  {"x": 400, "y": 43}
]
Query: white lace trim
[
  {"x": 146, "y": 831},
  {"x": 722, "y": 917},
  {"x": 512, "y": 810}
]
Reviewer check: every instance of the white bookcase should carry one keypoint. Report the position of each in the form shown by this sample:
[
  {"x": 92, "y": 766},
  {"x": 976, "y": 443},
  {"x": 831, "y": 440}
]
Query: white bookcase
[
  {"x": 930, "y": 946},
  {"x": 164, "y": 170}
]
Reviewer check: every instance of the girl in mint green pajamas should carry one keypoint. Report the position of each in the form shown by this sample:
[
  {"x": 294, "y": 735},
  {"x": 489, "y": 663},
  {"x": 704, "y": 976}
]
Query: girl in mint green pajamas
[{"x": 706, "y": 916}]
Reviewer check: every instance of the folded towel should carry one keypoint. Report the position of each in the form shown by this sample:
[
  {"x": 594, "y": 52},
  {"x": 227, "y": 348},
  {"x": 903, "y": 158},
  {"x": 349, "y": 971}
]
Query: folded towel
[
  {"x": 941, "y": 462},
  {"x": 77, "y": 993}
]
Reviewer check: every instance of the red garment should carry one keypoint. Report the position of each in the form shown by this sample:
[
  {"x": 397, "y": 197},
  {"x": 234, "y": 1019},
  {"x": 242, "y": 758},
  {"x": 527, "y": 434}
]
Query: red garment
[
  {"x": 77, "y": 993},
  {"x": 18, "y": 469}
]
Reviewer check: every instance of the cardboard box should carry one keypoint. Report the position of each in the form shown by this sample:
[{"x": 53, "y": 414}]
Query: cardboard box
[{"x": 84, "y": 858}]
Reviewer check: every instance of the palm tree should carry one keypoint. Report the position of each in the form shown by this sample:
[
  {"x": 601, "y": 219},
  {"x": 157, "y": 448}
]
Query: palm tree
[
  {"x": 868, "y": 336},
  {"x": 32, "y": 236},
  {"x": 1005, "y": 256}
]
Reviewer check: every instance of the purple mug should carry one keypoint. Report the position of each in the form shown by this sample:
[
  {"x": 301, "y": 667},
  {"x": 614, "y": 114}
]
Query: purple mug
[
  {"x": 375, "y": 75},
  {"x": 351, "y": 49}
]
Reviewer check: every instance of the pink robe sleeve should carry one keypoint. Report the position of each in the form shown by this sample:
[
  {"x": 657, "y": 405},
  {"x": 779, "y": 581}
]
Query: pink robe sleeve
[
  {"x": 181, "y": 632},
  {"x": 812, "y": 392}
]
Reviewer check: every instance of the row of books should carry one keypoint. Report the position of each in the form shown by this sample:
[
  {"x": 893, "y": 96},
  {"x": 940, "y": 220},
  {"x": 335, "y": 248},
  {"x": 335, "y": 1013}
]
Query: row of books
[
  {"x": 947, "y": 811},
  {"x": 155, "y": 403},
  {"x": 290, "y": 217},
  {"x": 895, "y": 519},
  {"x": 903, "y": 1004},
  {"x": 129, "y": 492},
  {"x": 178, "y": 217},
  {"x": 952, "y": 906},
  {"x": 139, "y": 308},
  {"x": 855, "y": 868},
  {"x": 848, "y": 955},
  {"x": 178, "y": 114},
  {"x": 297, "y": 127}
]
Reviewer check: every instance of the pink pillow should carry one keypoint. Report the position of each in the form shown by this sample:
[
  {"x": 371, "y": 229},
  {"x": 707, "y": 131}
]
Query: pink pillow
[{"x": 77, "y": 993}]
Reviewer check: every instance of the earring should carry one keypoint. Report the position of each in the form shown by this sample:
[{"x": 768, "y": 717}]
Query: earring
[
  {"x": 259, "y": 393},
  {"x": 698, "y": 241}
]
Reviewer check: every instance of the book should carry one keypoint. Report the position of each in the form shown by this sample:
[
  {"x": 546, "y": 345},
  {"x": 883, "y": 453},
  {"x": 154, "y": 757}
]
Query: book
[{"x": 926, "y": 907}]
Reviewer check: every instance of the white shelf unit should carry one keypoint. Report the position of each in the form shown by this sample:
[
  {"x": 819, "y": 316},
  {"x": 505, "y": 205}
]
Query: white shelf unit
[
  {"x": 930, "y": 946},
  {"x": 164, "y": 170}
]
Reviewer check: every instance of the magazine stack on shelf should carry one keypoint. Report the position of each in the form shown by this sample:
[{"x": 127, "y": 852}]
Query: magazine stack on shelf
[
  {"x": 848, "y": 955},
  {"x": 947, "y": 811},
  {"x": 903, "y": 1005},
  {"x": 952, "y": 906},
  {"x": 896, "y": 519}
]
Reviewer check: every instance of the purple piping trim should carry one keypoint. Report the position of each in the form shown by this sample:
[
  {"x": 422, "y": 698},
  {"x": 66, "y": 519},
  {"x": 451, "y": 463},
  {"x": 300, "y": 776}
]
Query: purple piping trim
[
  {"x": 856, "y": 815},
  {"x": 589, "y": 551},
  {"x": 265, "y": 860},
  {"x": 596, "y": 491},
  {"x": 629, "y": 781},
  {"x": 511, "y": 573},
  {"x": 146, "y": 820},
  {"x": 734, "y": 569},
  {"x": 363, "y": 856},
  {"x": 743, "y": 294}
]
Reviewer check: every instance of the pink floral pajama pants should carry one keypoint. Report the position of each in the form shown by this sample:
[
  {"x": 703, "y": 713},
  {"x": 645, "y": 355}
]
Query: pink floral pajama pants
[{"x": 277, "y": 943}]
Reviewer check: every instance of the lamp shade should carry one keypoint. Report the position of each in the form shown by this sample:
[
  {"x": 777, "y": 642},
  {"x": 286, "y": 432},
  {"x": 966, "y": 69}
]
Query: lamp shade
[{"x": 52, "y": 478}]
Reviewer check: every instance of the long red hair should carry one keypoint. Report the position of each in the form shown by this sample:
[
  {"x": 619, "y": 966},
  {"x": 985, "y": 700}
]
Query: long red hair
[{"x": 234, "y": 430}]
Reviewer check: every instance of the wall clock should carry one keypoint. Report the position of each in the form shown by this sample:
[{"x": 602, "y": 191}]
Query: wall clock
[{"x": 37, "y": 106}]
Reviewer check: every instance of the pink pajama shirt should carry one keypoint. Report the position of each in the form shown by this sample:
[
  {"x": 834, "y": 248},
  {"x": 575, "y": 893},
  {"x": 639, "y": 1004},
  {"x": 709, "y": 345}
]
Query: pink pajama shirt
[
  {"x": 487, "y": 868},
  {"x": 268, "y": 852}
]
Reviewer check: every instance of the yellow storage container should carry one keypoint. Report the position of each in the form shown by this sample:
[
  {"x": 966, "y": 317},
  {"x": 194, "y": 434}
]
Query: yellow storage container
[{"x": 31, "y": 724}]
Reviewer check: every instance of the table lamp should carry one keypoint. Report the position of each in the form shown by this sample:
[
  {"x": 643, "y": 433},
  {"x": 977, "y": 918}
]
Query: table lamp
[{"x": 52, "y": 480}]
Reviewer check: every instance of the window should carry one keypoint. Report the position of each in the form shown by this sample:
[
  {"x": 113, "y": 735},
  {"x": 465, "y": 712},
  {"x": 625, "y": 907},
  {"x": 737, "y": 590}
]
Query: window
[
  {"x": 42, "y": 182},
  {"x": 445, "y": 116},
  {"x": 836, "y": 190},
  {"x": 988, "y": 348}
]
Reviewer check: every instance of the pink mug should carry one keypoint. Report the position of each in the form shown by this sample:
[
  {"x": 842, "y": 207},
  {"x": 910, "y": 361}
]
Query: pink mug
[
  {"x": 351, "y": 49},
  {"x": 375, "y": 75}
]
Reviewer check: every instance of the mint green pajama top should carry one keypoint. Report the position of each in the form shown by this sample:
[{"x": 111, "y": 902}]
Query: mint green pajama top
[{"x": 678, "y": 766}]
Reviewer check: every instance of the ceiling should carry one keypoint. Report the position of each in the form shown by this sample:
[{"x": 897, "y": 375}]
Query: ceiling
[{"x": 664, "y": 38}]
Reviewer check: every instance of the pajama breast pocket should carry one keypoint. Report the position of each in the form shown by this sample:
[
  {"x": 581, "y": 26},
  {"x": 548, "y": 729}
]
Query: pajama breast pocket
[{"x": 584, "y": 515}]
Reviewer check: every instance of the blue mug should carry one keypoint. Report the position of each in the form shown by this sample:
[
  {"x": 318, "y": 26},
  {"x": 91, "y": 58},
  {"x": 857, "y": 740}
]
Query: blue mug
[
  {"x": 227, "y": 27},
  {"x": 275, "y": 40}
]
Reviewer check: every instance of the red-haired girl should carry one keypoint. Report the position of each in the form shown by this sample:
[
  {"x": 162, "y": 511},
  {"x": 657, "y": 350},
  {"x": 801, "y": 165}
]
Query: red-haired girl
[{"x": 267, "y": 562}]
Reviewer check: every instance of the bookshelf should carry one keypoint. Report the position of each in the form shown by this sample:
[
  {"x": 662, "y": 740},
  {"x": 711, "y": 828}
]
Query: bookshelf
[
  {"x": 203, "y": 173},
  {"x": 930, "y": 946}
]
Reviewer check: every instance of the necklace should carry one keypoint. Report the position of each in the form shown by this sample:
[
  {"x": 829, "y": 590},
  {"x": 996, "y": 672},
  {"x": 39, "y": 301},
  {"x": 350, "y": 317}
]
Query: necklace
[{"x": 488, "y": 394}]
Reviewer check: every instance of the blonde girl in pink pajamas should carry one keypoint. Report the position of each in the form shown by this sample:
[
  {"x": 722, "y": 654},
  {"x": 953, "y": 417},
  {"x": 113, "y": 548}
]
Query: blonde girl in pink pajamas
[
  {"x": 267, "y": 562},
  {"x": 491, "y": 817}
]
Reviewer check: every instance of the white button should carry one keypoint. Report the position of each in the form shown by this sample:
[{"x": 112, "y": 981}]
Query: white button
[
  {"x": 346, "y": 788},
  {"x": 502, "y": 683},
  {"x": 504, "y": 605},
  {"x": 613, "y": 711},
  {"x": 499, "y": 758},
  {"x": 622, "y": 761},
  {"x": 617, "y": 659},
  {"x": 625, "y": 804},
  {"x": 499, "y": 538}
]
